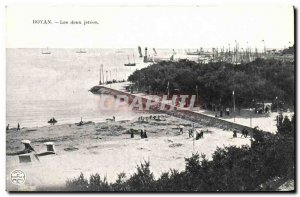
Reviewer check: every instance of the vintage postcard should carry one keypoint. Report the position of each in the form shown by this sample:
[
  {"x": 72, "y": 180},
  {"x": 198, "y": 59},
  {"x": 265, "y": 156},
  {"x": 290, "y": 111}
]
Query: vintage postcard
[{"x": 150, "y": 98}]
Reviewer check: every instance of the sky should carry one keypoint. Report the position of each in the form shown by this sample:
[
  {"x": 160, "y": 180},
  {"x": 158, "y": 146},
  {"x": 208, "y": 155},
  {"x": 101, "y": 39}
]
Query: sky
[{"x": 152, "y": 26}]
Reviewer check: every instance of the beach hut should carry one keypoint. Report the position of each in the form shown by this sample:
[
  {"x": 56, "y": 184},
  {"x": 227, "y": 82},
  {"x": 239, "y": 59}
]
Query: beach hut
[
  {"x": 28, "y": 158},
  {"x": 50, "y": 147},
  {"x": 28, "y": 147}
]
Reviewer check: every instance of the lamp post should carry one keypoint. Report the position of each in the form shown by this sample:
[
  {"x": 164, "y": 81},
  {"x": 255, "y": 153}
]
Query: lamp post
[
  {"x": 251, "y": 108},
  {"x": 250, "y": 117},
  {"x": 233, "y": 100},
  {"x": 264, "y": 47},
  {"x": 197, "y": 99},
  {"x": 168, "y": 91},
  {"x": 110, "y": 78},
  {"x": 106, "y": 76}
]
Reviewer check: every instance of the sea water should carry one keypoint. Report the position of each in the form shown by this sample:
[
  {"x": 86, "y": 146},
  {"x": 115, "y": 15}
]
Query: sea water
[{"x": 41, "y": 86}]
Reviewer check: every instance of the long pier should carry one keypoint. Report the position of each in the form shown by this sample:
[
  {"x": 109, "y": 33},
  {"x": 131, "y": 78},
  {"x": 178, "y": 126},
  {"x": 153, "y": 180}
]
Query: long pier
[{"x": 180, "y": 112}]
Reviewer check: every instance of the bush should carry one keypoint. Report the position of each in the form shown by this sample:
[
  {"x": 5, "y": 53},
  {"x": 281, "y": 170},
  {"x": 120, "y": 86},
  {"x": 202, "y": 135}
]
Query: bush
[
  {"x": 231, "y": 168},
  {"x": 260, "y": 80}
]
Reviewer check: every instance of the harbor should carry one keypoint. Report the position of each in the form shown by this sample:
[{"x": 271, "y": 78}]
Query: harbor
[
  {"x": 150, "y": 99},
  {"x": 102, "y": 137}
]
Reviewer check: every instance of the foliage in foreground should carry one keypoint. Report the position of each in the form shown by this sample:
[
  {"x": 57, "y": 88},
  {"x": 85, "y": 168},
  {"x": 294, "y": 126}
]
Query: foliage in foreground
[{"x": 231, "y": 168}]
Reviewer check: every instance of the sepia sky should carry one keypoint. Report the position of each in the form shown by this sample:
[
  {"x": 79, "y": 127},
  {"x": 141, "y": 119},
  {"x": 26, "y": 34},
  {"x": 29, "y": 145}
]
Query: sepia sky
[{"x": 160, "y": 27}]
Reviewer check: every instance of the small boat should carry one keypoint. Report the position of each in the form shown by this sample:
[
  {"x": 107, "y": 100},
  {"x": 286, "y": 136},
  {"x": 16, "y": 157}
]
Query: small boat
[
  {"x": 81, "y": 123},
  {"x": 47, "y": 52},
  {"x": 130, "y": 64},
  {"x": 52, "y": 121},
  {"x": 80, "y": 51}
]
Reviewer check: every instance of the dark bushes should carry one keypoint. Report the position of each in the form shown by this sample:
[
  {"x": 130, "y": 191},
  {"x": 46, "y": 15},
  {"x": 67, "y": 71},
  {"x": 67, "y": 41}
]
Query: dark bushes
[
  {"x": 260, "y": 80},
  {"x": 231, "y": 168}
]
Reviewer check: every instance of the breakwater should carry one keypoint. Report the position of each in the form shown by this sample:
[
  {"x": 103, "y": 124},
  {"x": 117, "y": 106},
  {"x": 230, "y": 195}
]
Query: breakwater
[{"x": 179, "y": 112}]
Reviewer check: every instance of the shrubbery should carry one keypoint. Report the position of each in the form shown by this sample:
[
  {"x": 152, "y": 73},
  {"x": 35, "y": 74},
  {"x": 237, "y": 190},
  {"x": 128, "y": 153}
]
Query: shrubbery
[
  {"x": 247, "y": 168},
  {"x": 260, "y": 80}
]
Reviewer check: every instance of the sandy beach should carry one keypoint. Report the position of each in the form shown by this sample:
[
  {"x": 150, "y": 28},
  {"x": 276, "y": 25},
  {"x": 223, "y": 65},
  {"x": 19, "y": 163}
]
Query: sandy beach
[{"x": 107, "y": 148}]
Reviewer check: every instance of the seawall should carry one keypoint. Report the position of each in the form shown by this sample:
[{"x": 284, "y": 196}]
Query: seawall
[{"x": 181, "y": 113}]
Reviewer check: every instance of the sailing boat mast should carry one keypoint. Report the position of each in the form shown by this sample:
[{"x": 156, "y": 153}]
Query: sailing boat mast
[
  {"x": 102, "y": 73},
  {"x": 47, "y": 51},
  {"x": 130, "y": 64},
  {"x": 100, "y": 82},
  {"x": 133, "y": 58},
  {"x": 128, "y": 59}
]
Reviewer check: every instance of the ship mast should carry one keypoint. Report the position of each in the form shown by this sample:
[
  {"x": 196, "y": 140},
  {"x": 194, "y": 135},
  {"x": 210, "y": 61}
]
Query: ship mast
[
  {"x": 133, "y": 58},
  {"x": 128, "y": 59},
  {"x": 100, "y": 76}
]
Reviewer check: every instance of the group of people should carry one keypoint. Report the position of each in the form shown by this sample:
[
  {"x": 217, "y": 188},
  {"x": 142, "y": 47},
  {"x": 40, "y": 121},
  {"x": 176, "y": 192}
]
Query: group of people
[
  {"x": 245, "y": 133},
  {"x": 18, "y": 127},
  {"x": 52, "y": 121},
  {"x": 199, "y": 134},
  {"x": 142, "y": 118},
  {"x": 227, "y": 112},
  {"x": 143, "y": 133}
]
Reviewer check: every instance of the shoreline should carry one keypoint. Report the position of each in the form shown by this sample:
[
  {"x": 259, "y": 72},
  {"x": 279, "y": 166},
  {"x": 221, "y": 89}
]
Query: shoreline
[{"x": 107, "y": 148}]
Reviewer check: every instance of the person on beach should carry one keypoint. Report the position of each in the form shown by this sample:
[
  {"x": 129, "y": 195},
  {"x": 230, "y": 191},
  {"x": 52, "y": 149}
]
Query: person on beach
[
  {"x": 227, "y": 111},
  {"x": 244, "y": 133},
  {"x": 114, "y": 118},
  {"x": 221, "y": 113},
  {"x": 7, "y": 127},
  {"x": 132, "y": 134},
  {"x": 199, "y": 135},
  {"x": 18, "y": 127},
  {"x": 180, "y": 129},
  {"x": 145, "y": 134},
  {"x": 234, "y": 133},
  {"x": 81, "y": 122},
  {"x": 142, "y": 134},
  {"x": 190, "y": 133}
]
